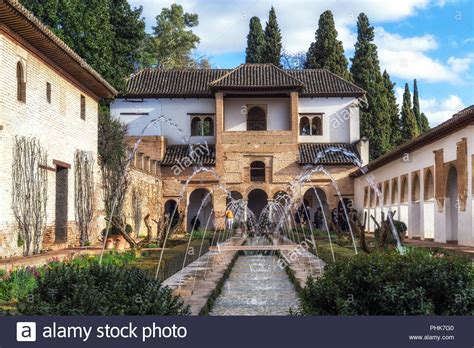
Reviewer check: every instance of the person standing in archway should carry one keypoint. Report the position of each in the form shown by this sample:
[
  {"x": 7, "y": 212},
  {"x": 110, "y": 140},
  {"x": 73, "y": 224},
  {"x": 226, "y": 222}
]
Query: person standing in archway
[{"x": 229, "y": 219}]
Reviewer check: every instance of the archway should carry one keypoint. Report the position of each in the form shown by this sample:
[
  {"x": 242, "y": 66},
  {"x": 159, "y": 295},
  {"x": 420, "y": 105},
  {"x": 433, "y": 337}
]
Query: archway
[
  {"x": 257, "y": 200},
  {"x": 415, "y": 211},
  {"x": 452, "y": 206},
  {"x": 312, "y": 203},
  {"x": 235, "y": 196},
  {"x": 200, "y": 210},
  {"x": 170, "y": 207}
]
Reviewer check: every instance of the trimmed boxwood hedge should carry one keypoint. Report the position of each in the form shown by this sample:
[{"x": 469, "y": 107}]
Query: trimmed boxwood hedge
[
  {"x": 69, "y": 289},
  {"x": 418, "y": 283}
]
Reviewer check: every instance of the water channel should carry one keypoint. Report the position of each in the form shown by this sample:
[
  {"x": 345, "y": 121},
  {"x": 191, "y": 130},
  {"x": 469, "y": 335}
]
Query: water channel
[{"x": 256, "y": 286}]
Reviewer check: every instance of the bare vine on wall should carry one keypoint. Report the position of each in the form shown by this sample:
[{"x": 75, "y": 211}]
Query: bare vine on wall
[
  {"x": 84, "y": 193},
  {"x": 137, "y": 209},
  {"x": 29, "y": 192}
]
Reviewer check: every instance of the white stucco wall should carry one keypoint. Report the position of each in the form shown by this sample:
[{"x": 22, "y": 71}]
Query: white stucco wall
[
  {"x": 58, "y": 127},
  {"x": 177, "y": 110},
  {"x": 278, "y": 113},
  {"x": 432, "y": 223},
  {"x": 340, "y": 121}
]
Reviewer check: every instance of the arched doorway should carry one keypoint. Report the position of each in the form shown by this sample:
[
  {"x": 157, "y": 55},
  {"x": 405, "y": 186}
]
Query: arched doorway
[
  {"x": 314, "y": 199},
  {"x": 257, "y": 200},
  {"x": 200, "y": 210},
  {"x": 452, "y": 206},
  {"x": 170, "y": 213}
]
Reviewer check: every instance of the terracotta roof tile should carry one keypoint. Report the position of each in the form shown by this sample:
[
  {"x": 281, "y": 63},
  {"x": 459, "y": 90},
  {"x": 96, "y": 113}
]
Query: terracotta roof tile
[
  {"x": 177, "y": 154},
  {"x": 199, "y": 83},
  {"x": 459, "y": 121},
  {"x": 310, "y": 151}
]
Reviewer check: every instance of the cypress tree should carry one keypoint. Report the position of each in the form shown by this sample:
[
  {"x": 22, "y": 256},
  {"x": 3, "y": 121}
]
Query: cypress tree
[
  {"x": 416, "y": 105},
  {"x": 272, "y": 49},
  {"x": 395, "y": 124},
  {"x": 424, "y": 123},
  {"x": 255, "y": 42},
  {"x": 409, "y": 124},
  {"x": 327, "y": 51},
  {"x": 365, "y": 70}
]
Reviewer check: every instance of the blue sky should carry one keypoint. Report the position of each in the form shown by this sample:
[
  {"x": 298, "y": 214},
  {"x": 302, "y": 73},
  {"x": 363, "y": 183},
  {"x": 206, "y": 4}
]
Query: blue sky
[{"x": 432, "y": 41}]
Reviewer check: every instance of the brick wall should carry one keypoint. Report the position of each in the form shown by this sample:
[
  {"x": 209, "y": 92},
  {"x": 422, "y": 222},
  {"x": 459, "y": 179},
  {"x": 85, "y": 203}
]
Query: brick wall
[{"x": 57, "y": 125}]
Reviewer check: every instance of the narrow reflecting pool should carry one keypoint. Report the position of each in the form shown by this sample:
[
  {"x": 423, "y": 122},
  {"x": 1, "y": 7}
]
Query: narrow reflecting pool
[{"x": 256, "y": 286}]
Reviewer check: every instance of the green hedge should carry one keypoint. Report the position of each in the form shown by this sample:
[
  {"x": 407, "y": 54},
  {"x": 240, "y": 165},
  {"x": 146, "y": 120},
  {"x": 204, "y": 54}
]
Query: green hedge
[
  {"x": 418, "y": 283},
  {"x": 340, "y": 253},
  {"x": 173, "y": 259},
  {"x": 70, "y": 289}
]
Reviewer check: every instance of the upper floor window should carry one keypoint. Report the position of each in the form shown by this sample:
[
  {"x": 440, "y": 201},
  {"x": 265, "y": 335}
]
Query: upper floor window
[
  {"x": 256, "y": 119},
  {"x": 20, "y": 83},
  {"x": 202, "y": 126},
  {"x": 83, "y": 107},
  {"x": 257, "y": 171},
  {"x": 48, "y": 92},
  {"x": 311, "y": 125}
]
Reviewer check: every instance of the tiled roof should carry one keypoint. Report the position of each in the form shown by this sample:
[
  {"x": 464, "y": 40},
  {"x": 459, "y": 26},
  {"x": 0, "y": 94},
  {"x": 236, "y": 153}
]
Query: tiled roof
[
  {"x": 459, "y": 121},
  {"x": 310, "y": 151},
  {"x": 22, "y": 22},
  {"x": 256, "y": 76},
  {"x": 172, "y": 83},
  {"x": 199, "y": 83},
  {"x": 177, "y": 154},
  {"x": 322, "y": 82}
]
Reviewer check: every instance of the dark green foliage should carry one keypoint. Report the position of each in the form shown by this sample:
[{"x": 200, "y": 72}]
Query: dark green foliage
[
  {"x": 272, "y": 49},
  {"x": 393, "y": 112},
  {"x": 375, "y": 120},
  {"x": 172, "y": 42},
  {"x": 416, "y": 105},
  {"x": 68, "y": 289},
  {"x": 409, "y": 124},
  {"x": 401, "y": 228},
  {"x": 106, "y": 33},
  {"x": 424, "y": 123},
  {"x": 255, "y": 42},
  {"x": 327, "y": 51},
  {"x": 128, "y": 30},
  {"x": 418, "y": 283}
]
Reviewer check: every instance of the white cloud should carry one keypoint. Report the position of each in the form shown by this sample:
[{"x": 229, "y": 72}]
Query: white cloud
[
  {"x": 407, "y": 58},
  {"x": 436, "y": 110},
  {"x": 224, "y": 24}
]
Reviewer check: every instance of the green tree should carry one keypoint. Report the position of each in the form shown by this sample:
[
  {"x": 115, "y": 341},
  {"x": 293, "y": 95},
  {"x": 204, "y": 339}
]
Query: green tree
[
  {"x": 272, "y": 49},
  {"x": 83, "y": 25},
  {"x": 409, "y": 124},
  {"x": 395, "y": 123},
  {"x": 173, "y": 41},
  {"x": 106, "y": 33},
  {"x": 255, "y": 42},
  {"x": 128, "y": 32},
  {"x": 365, "y": 70},
  {"x": 327, "y": 51},
  {"x": 424, "y": 123}
]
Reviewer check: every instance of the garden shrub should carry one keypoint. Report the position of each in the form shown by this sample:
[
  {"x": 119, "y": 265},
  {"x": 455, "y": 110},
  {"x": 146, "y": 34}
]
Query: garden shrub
[
  {"x": 69, "y": 289},
  {"x": 392, "y": 284},
  {"x": 18, "y": 283}
]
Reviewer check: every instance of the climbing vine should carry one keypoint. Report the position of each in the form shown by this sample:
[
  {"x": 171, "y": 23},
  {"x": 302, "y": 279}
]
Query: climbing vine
[
  {"x": 84, "y": 193},
  {"x": 29, "y": 192},
  {"x": 137, "y": 209}
]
